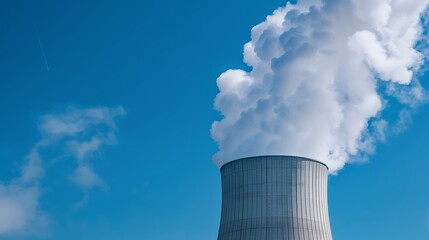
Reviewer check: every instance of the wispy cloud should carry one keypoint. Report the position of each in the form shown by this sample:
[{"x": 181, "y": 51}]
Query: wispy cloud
[
  {"x": 85, "y": 177},
  {"x": 19, "y": 199},
  {"x": 78, "y": 133},
  {"x": 83, "y": 132},
  {"x": 19, "y": 208}
]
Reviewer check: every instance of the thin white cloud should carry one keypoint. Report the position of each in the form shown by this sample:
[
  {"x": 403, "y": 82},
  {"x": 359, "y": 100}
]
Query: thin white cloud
[
  {"x": 86, "y": 178},
  {"x": 33, "y": 169},
  {"x": 19, "y": 208},
  {"x": 78, "y": 133},
  {"x": 76, "y": 121},
  {"x": 82, "y": 149},
  {"x": 84, "y": 132},
  {"x": 404, "y": 120}
]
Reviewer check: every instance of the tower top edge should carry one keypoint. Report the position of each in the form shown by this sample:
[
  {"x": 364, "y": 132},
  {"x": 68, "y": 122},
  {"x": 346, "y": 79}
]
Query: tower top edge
[{"x": 274, "y": 157}]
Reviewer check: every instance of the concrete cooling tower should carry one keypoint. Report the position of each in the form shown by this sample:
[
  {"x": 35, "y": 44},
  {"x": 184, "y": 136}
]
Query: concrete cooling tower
[{"x": 274, "y": 198}]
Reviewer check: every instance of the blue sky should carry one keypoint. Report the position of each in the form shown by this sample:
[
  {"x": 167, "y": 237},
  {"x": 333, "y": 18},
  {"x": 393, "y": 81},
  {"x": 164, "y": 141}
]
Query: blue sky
[{"x": 159, "y": 60}]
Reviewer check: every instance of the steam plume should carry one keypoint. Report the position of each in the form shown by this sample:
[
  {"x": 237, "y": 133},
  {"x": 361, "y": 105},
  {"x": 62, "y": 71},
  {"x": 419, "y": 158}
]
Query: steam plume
[{"x": 321, "y": 74}]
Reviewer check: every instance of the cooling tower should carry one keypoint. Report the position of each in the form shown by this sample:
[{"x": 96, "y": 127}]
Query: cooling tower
[{"x": 273, "y": 198}]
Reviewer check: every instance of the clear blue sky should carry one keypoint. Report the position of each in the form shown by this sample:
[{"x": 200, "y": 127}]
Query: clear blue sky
[{"x": 159, "y": 60}]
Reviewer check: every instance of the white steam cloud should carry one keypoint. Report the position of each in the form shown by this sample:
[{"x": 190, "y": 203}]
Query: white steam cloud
[
  {"x": 78, "y": 133},
  {"x": 321, "y": 74}
]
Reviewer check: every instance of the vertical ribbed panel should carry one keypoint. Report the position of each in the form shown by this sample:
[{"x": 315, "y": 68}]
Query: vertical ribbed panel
[{"x": 273, "y": 198}]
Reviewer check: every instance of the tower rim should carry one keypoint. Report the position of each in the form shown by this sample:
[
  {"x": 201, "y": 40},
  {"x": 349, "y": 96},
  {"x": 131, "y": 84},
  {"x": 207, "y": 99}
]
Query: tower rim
[{"x": 275, "y": 156}]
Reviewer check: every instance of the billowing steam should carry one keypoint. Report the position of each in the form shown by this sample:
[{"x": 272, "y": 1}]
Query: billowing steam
[{"x": 321, "y": 73}]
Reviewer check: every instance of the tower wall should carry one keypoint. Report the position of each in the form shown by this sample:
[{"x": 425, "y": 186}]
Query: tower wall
[{"x": 273, "y": 198}]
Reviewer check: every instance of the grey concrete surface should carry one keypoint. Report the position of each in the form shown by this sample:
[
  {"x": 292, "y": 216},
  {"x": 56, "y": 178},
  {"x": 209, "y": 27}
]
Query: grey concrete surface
[{"x": 273, "y": 198}]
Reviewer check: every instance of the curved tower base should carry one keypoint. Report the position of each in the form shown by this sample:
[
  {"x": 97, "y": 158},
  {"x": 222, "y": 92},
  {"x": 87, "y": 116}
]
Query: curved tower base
[{"x": 274, "y": 198}]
